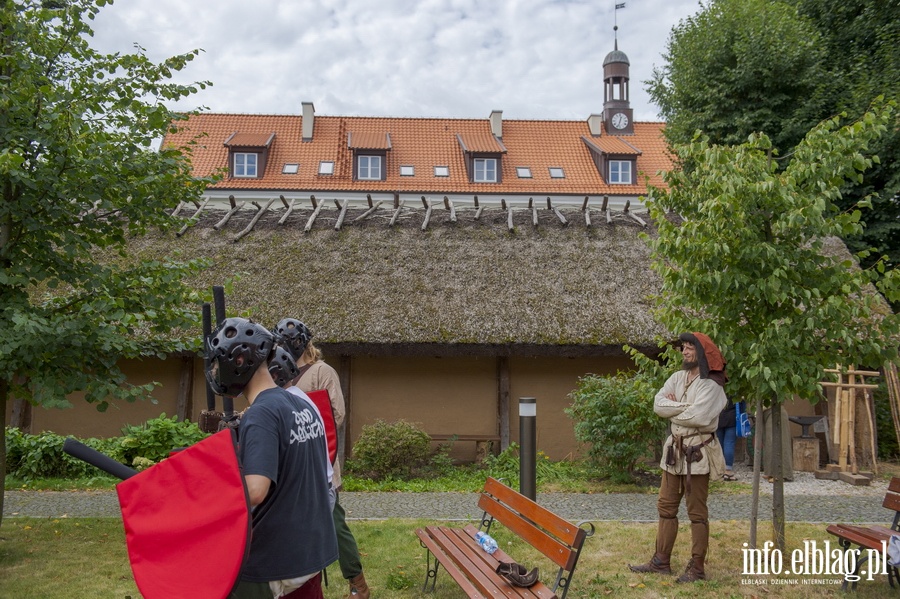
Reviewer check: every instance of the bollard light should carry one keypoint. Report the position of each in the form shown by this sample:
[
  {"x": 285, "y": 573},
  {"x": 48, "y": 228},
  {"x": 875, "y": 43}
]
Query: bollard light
[{"x": 528, "y": 447}]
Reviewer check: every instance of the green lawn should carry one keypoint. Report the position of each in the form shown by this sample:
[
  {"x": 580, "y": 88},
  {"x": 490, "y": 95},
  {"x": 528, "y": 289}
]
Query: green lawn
[{"x": 87, "y": 559}]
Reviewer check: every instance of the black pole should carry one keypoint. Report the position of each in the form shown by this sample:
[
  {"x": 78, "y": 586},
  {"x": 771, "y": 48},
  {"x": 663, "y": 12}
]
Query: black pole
[
  {"x": 528, "y": 447},
  {"x": 93, "y": 457},
  {"x": 207, "y": 330},
  {"x": 219, "y": 301}
]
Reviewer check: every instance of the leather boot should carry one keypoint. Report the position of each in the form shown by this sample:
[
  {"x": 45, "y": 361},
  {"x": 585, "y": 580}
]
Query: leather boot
[
  {"x": 658, "y": 564},
  {"x": 358, "y": 587},
  {"x": 694, "y": 571}
]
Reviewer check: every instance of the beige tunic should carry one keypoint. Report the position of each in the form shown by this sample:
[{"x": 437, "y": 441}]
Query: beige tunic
[
  {"x": 693, "y": 416},
  {"x": 322, "y": 376}
]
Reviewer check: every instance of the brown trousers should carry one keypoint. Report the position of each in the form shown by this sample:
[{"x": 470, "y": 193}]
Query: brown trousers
[{"x": 671, "y": 490}]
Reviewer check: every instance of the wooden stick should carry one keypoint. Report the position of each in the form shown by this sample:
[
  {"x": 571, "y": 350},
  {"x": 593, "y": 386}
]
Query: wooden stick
[
  {"x": 368, "y": 212},
  {"x": 228, "y": 216},
  {"x": 428, "y": 208},
  {"x": 342, "y": 215},
  {"x": 290, "y": 208},
  {"x": 397, "y": 209},
  {"x": 848, "y": 386},
  {"x": 851, "y": 421},
  {"x": 253, "y": 221},
  {"x": 871, "y": 423},
  {"x": 196, "y": 214},
  {"x": 890, "y": 374},
  {"x": 312, "y": 217},
  {"x": 857, "y": 372}
]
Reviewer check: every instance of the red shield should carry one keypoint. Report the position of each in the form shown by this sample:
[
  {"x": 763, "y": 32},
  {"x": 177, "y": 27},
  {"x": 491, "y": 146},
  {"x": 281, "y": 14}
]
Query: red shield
[{"x": 187, "y": 522}]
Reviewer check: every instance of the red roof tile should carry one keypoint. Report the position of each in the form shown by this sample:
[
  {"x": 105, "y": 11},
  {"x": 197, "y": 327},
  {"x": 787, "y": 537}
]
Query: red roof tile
[{"x": 425, "y": 143}]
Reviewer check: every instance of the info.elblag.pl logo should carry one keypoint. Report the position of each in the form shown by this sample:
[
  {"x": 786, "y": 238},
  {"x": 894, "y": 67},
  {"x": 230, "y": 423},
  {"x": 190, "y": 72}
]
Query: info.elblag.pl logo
[{"x": 809, "y": 564}]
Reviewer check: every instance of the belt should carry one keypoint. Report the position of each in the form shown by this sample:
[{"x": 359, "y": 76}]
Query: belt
[{"x": 692, "y": 453}]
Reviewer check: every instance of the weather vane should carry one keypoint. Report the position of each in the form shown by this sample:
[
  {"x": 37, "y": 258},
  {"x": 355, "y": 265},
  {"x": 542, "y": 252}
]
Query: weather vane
[{"x": 616, "y": 23}]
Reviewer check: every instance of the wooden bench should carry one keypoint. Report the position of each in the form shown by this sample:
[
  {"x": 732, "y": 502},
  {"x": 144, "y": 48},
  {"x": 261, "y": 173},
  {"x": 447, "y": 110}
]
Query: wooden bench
[
  {"x": 474, "y": 570},
  {"x": 483, "y": 443},
  {"x": 873, "y": 538}
]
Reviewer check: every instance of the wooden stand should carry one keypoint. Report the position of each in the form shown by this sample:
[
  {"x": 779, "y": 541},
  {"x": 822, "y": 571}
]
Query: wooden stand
[
  {"x": 844, "y": 430},
  {"x": 806, "y": 454}
]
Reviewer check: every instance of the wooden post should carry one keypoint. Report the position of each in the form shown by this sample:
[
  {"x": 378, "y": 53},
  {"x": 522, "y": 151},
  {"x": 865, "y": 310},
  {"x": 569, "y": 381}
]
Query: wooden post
[
  {"x": 184, "y": 405},
  {"x": 503, "y": 400}
]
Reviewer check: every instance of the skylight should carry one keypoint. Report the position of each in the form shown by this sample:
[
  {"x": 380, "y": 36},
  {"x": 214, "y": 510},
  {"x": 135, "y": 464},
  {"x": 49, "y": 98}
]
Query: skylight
[
  {"x": 557, "y": 172},
  {"x": 523, "y": 172},
  {"x": 442, "y": 171},
  {"x": 326, "y": 167},
  {"x": 290, "y": 169},
  {"x": 407, "y": 170}
]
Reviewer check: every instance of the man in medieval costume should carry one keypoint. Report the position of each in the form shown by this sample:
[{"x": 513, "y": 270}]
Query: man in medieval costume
[{"x": 691, "y": 401}]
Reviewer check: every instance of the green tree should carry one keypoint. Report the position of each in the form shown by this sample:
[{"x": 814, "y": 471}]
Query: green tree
[
  {"x": 752, "y": 260},
  {"x": 861, "y": 40},
  {"x": 739, "y": 67},
  {"x": 779, "y": 67},
  {"x": 77, "y": 175}
]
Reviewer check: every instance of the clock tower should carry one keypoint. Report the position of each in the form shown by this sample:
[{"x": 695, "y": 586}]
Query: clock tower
[{"x": 617, "y": 114}]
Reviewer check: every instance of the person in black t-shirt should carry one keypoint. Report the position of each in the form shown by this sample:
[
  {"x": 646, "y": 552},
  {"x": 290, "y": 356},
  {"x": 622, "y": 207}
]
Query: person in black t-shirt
[{"x": 283, "y": 453}]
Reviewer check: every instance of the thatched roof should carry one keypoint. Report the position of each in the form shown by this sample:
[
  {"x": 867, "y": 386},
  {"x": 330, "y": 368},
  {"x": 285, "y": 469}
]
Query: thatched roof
[{"x": 470, "y": 287}]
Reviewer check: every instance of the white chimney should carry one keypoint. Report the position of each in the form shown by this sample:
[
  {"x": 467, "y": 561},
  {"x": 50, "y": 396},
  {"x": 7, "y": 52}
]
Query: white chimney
[
  {"x": 309, "y": 119},
  {"x": 497, "y": 123},
  {"x": 594, "y": 122}
]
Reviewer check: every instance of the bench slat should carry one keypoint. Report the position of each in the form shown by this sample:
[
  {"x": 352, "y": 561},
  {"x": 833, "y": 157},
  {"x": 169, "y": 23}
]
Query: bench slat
[
  {"x": 560, "y": 527},
  {"x": 869, "y": 538},
  {"x": 894, "y": 485},
  {"x": 559, "y": 553},
  {"x": 477, "y": 566},
  {"x": 455, "y": 573}
]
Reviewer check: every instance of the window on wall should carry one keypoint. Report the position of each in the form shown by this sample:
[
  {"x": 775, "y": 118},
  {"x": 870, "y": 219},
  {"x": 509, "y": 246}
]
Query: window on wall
[
  {"x": 620, "y": 171},
  {"x": 245, "y": 164},
  {"x": 369, "y": 167},
  {"x": 485, "y": 170}
]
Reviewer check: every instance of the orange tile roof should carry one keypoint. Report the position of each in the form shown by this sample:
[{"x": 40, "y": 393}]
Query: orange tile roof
[
  {"x": 425, "y": 143},
  {"x": 481, "y": 142},
  {"x": 250, "y": 140},
  {"x": 369, "y": 140}
]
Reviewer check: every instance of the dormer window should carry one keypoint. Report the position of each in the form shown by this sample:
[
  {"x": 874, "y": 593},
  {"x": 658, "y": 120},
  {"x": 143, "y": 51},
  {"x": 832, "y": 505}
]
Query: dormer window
[
  {"x": 620, "y": 172},
  {"x": 368, "y": 167},
  {"x": 245, "y": 164},
  {"x": 247, "y": 154},
  {"x": 483, "y": 153},
  {"x": 485, "y": 170}
]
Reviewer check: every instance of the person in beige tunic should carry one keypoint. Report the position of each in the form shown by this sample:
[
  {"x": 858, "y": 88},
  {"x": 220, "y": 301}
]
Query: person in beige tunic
[
  {"x": 691, "y": 401},
  {"x": 315, "y": 374}
]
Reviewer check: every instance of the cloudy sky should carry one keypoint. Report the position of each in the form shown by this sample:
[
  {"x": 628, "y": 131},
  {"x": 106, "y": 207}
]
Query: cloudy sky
[{"x": 532, "y": 59}]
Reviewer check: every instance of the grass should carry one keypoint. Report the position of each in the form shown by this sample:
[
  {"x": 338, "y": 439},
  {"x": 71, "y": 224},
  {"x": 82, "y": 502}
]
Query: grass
[{"x": 87, "y": 559}]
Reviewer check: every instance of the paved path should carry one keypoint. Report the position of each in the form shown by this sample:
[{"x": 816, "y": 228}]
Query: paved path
[{"x": 463, "y": 506}]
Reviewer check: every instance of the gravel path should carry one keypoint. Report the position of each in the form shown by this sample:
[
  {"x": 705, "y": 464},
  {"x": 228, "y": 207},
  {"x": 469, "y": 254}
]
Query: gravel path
[{"x": 807, "y": 499}]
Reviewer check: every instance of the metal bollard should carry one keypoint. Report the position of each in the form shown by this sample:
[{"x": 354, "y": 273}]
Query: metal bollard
[{"x": 528, "y": 447}]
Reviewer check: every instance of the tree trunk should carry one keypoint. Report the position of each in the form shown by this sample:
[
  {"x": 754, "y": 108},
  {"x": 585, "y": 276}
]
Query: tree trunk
[
  {"x": 4, "y": 389},
  {"x": 778, "y": 472},
  {"x": 757, "y": 466}
]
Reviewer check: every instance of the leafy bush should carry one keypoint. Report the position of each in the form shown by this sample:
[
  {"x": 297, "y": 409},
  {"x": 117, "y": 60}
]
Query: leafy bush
[
  {"x": 390, "y": 449},
  {"x": 155, "y": 439},
  {"x": 614, "y": 415},
  {"x": 30, "y": 457}
]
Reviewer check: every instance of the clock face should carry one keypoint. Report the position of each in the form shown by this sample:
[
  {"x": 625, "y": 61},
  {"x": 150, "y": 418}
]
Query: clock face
[{"x": 620, "y": 120}]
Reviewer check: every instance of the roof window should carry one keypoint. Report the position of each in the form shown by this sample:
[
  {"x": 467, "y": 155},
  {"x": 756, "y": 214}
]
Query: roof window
[
  {"x": 290, "y": 168},
  {"x": 326, "y": 167},
  {"x": 523, "y": 172},
  {"x": 407, "y": 170},
  {"x": 442, "y": 171},
  {"x": 556, "y": 172}
]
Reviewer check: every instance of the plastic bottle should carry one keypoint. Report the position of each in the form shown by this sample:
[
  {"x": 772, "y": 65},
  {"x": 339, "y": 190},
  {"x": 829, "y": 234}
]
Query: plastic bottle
[{"x": 486, "y": 541}]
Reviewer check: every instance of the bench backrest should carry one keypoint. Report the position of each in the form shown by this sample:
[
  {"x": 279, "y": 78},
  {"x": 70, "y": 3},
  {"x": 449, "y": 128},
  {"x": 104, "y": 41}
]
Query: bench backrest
[
  {"x": 892, "y": 500},
  {"x": 555, "y": 537}
]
